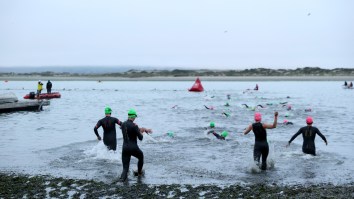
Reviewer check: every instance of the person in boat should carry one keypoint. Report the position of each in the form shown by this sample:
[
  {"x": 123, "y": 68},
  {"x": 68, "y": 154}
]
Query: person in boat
[
  {"x": 39, "y": 88},
  {"x": 49, "y": 87},
  {"x": 261, "y": 147},
  {"x": 308, "y": 134},
  {"x": 108, "y": 124},
  {"x": 131, "y": 132}
]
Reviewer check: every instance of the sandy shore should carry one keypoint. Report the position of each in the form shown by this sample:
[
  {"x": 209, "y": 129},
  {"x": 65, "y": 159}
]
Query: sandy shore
[
  {"x": 209, "y": 78},
  {"x": 21, "y": 186}
]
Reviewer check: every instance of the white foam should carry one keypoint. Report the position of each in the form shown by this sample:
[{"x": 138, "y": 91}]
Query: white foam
[
  {"x": 100, "y": 151},
  {"x": 149, "y": 139}
]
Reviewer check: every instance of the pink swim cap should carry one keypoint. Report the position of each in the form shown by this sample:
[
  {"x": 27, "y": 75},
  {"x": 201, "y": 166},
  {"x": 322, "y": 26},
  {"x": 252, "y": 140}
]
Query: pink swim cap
[
  {"x": 257, "y": 117},
  {"x": 309, "y": 120},
  {"x": 285, "y": 121}
]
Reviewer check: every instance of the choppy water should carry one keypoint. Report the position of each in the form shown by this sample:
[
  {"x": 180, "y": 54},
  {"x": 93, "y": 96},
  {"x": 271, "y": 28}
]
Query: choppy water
[{"x": 60, "y": 140}]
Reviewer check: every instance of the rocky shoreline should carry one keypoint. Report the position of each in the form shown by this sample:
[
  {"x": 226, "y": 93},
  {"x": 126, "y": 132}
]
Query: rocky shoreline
[{"x": 23, "y": 186}]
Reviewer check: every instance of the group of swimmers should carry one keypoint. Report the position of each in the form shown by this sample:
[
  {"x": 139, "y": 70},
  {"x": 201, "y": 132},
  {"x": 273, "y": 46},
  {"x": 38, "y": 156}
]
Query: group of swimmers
[
  {"x": 131, "y": 133},
  {"x": 261, "y": 147}
]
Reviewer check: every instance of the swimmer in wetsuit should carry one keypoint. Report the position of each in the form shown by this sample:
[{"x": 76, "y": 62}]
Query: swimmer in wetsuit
[
  {"x": 220, "y": 137},
  {"x": 308, "y": 133},
  {"x": 108, "y": 124},
  {"x": 131, "y": 132},
  {"x": 261, "y": 147},
  {"x": 286, "y": 122}
]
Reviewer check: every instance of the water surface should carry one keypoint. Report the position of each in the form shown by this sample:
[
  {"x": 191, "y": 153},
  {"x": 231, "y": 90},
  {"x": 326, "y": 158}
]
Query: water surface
[{"x": 60, "y": 140}]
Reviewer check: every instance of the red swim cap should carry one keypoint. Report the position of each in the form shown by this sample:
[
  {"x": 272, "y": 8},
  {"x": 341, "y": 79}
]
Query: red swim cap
[
  {"x": 309, "y": 120},
  {"x": 257, "y": 117}
]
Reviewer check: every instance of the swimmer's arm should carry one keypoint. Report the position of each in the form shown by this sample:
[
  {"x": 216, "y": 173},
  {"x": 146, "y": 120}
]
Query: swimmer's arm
[
  {"x": 249, "y": 128},
  {"x": 118, "y": 122},
  {"x": 139, "y": 133},
  {"x": 142, "y": 130},
  {"x": 216, "y": 135},
  {"x": 322, "y": 136},
  {"x": 95, "y": 130},
  {"x": 274, "y": 125},
  {"x": 294, "y": 136}
]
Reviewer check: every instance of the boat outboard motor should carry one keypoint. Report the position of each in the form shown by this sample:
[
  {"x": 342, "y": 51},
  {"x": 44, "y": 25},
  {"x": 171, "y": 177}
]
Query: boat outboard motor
[{"x": 32, "y": 95}]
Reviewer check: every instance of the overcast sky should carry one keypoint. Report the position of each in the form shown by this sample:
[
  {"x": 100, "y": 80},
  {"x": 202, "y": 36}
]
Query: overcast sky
[{"x": 182, "y": 33}]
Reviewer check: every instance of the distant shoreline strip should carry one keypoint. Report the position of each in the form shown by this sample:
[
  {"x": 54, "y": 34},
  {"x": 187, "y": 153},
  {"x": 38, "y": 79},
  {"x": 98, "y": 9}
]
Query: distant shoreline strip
[{"x": 189, "y": 78}]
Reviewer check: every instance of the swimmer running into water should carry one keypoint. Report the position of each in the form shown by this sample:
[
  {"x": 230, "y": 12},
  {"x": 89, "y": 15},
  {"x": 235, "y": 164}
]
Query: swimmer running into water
[
  {"x": 261, "y": 147},
  {"x": 308, "y": 133}
]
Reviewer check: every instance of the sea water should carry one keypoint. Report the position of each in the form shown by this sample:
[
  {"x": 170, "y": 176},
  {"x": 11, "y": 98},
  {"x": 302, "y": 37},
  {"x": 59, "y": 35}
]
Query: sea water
[{"x": 60, "y": 140}]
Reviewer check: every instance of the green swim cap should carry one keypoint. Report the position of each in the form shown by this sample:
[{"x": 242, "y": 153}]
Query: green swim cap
[
  {"x": 224, "y": 134},
  {"x": 132, "y": 113},
  {"x": 171, "y": 134},
  {"x": 107, "y": 110},
  {"x": 212, "y": 124}
]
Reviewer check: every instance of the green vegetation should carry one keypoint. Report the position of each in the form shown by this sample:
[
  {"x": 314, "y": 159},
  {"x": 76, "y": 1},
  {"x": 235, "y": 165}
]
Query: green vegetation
[{"x": 307, "y": 71}]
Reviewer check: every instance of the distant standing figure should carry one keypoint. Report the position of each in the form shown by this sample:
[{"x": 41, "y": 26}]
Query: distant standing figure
[
  {"x": 108, "y": 124},
  {"x": 131, "y": 132},
  {"x": 49, "y": 87},
  {"x": 308, "y": 133},
  {"x": 256, "y": 88},
  {"x": 350, "y": 85},
  {"x": 39, "y": 88},
  {"x": 345, "y": 83},
  {"x": 261, "y": 147}
]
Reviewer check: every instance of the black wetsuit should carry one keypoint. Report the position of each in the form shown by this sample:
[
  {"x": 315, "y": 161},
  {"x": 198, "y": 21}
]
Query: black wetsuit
[
  {"x": 309, "y": 134},
  {"x": 216, "y": 135},
  {"x": 261, "y": 147},
  {"x": 131, "y": 133},
  {"x": 109, "y": 131}
]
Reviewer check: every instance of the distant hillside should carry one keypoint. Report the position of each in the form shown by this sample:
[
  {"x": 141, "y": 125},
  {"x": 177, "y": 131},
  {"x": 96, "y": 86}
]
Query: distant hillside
[
  {"x": 307, "y": 71},
  {"x": 67, "y": 69}
]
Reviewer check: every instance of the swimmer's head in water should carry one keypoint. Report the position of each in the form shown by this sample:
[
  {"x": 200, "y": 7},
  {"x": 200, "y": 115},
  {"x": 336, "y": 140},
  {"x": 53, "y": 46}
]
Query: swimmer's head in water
[
  {"x": 132, "y": 113},
  {"x": 107, "y": 110},
  {"x": 285, "y": 121},
  {"x": 224, "y": 134},
  {"x": 171, "y": 134},
  {"x": 309, "y": 120},
  {"x": 257, "y": 117},
  {"x": 212, "y": 124}
]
